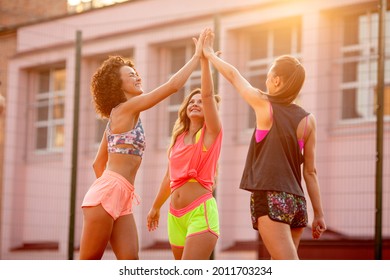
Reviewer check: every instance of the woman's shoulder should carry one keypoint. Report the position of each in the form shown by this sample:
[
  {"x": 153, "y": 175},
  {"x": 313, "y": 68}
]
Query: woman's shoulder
[{"x": 294, "y": 107}]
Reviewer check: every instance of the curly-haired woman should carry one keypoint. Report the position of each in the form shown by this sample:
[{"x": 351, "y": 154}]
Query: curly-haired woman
[{"x": 107, "y": 207}]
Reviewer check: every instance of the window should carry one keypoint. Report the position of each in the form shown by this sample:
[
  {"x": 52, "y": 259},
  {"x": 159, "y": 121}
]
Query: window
[
  {"x": 359, "y": 66},
  {"x": 49, "y": 109},
  {"x": 178, "y": 56},
  {"x": 266, "y": 42}
]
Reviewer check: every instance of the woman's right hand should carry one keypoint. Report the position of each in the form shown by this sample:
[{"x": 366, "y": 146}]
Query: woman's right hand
[{"x": 153, "y": 219}]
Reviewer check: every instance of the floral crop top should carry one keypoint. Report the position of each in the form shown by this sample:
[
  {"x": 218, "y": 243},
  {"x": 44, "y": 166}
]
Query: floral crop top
[{"x": 135, "y": 138}]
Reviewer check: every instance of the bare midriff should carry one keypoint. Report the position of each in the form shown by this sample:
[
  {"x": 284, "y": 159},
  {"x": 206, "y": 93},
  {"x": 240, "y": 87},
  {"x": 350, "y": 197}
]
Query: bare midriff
[
  {"x": 125, "y": 165},
  {"x": 187, "y": 193}
]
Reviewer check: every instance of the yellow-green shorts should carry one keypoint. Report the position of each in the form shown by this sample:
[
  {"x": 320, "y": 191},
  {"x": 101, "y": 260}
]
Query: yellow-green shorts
[{"x": 198, "y": 217}]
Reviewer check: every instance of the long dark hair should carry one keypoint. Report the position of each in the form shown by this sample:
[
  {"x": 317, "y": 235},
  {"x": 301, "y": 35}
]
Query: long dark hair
[{"x": 292, "y": 73}]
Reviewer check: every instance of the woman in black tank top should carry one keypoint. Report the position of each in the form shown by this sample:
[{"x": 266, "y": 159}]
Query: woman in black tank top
[{"x": 272, "y": 171}]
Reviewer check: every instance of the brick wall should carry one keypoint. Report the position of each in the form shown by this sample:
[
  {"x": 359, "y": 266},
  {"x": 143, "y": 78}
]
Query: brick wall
[{"x": 22, "y": 11}]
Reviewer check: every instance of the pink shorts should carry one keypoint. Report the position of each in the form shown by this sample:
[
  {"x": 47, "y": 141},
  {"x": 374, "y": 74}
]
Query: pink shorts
[{"x": 113, "y": 192}]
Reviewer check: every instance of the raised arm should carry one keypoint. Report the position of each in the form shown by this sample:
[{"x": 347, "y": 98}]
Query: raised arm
[
  {"x": 210, "y": 107},
  {"x": 311, "y": 180},
  {"x": 250, "y": 94},
  {"x": 175, "y": 83}
]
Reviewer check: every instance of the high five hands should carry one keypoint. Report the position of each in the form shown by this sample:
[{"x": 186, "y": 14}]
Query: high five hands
[{"x": 208, "y": 44}]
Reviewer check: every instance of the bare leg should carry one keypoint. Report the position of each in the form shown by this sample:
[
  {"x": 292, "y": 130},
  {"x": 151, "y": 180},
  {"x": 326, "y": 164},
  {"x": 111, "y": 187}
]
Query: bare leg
[
  {"x": 296, "y": 234},
  {"x": 97, "y": 227},
  {"x": 177, "y": 252},
  {"x": 278, "y": 239},
  {"x": 124, "y": 238},
  {"x": 199, "y": 246}
]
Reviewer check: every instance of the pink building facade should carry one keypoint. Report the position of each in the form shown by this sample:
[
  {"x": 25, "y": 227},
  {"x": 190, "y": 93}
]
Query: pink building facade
[{"x": 336, "y": 41}]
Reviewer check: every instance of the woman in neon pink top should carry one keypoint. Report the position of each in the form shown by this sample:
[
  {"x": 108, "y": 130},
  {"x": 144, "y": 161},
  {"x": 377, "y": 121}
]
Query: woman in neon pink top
[{"x": 193, "y": 223}]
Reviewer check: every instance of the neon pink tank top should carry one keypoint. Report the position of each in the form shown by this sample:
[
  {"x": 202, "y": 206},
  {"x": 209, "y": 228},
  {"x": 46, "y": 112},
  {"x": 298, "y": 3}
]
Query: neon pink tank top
[{"x": 191, "y": 161}]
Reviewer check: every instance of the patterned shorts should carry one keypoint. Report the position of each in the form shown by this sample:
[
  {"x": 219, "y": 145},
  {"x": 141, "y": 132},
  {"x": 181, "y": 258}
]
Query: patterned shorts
[{"x": 279, "y": 206}]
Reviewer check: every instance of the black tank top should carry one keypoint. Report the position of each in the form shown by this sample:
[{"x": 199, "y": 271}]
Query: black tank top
[{"x": 274, "y": 164}]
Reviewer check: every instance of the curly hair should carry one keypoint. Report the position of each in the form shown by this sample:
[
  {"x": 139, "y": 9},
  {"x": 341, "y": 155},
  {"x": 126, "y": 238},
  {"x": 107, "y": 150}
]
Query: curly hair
[
  {"x": 106, "y": 85},
  {"x": 182, "y": 122}
]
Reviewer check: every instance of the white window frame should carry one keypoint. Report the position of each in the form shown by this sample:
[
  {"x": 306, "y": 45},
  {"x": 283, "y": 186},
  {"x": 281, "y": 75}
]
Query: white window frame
[
  {"x": 260, "y": 66},
  {"x": 366, "y": 76},
  {"x": 193, "y": 82},
  {"x": 51, "y": 123}
]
